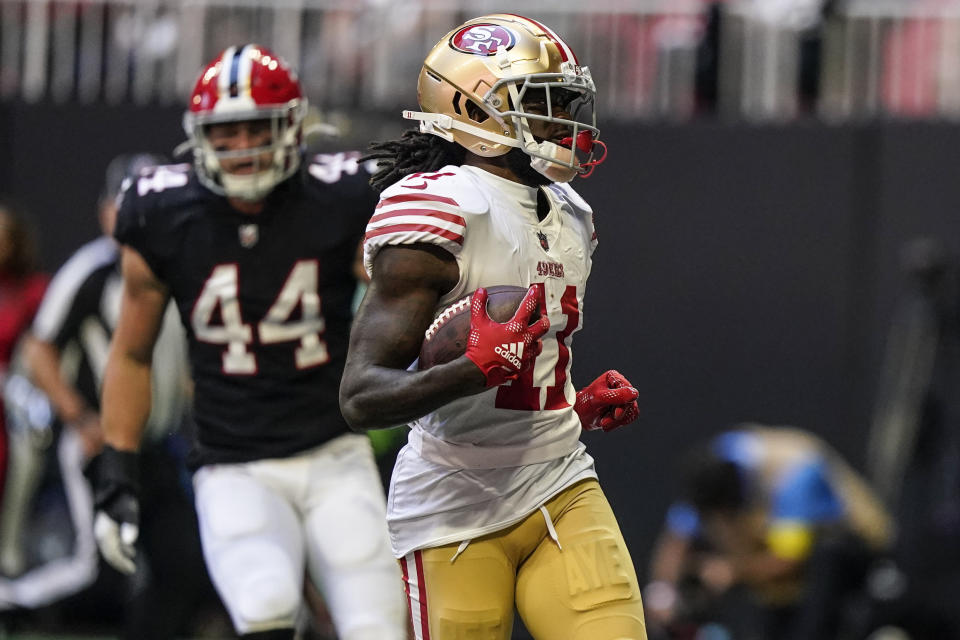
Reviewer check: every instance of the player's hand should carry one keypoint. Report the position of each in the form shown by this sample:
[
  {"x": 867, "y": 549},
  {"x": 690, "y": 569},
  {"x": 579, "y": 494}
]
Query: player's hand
[
  {"x": 608, "y": 402},
  {"x": 116, "y": 525},
  {"x": 660, "y": 603},
  {"x": 87, "y": 426},
  {"x": 717, "y": 573},
  {"x": 504, "y": 351}
]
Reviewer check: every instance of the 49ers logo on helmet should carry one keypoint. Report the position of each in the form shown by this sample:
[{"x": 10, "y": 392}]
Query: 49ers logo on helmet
[{"x": 483, "y": 39}]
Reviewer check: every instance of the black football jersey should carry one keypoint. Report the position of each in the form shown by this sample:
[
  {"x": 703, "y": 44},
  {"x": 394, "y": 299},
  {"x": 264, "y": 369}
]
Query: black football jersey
[{"x": 266, "y": 299}]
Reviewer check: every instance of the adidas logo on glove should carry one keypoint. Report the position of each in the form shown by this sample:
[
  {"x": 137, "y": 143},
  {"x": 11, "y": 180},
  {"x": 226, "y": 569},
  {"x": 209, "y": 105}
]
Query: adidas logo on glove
[{"x": 510, "y": 352}]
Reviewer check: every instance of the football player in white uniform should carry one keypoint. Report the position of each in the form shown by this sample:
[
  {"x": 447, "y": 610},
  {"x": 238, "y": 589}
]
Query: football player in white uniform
[{"x": 494, "y": 502}]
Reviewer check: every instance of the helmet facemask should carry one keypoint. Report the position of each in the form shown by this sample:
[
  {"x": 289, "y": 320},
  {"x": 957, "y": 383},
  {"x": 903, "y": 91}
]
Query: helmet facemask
[
  {"x": 282, "y": 149},
  {"x": 567, "y": 100},
  {"x": 567, "y": 97}
]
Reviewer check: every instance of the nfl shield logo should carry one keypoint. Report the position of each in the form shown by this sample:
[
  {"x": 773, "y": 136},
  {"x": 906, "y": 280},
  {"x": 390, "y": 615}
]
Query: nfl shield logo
[
  {"x": 542, "y": 237},
  {"x": 249, "y": 234}
]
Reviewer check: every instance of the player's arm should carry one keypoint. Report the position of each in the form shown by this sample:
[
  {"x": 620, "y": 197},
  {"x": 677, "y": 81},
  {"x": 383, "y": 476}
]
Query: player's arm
[
  {"x": 358, "y": 271},
  {"x": 43, "y": 360},
  {"x": 670, "y": 561},
  {"x": 125, "y": 407},
  {"x": 763, "y": 567},
  {"x": 58, "y": 321},
  {"x": 126, "y": 384},
  {"x": 376, "y": 390}
]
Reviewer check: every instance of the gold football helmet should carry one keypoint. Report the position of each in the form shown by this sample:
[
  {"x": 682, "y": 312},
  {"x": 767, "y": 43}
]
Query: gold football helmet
[{"x": 475, "y": 81}]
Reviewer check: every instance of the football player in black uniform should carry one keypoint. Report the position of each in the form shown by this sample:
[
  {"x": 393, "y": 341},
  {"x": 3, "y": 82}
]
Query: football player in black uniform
[
  {"x": 64, "y": 353},
  {"x": 257, "y": 250}
]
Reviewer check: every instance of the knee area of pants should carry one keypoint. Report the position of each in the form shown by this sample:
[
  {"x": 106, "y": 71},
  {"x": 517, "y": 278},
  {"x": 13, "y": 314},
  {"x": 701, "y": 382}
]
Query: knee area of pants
[
  {"x": 374, "y": 632},
  {"x": 616, "y": 627},
  {"x": 482, "y": 625},
  {"x": 260, "y": 584},
  {"x": 266, "y": 598}
]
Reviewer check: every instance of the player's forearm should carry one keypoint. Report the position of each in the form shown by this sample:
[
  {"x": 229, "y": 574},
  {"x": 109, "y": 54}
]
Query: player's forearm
[
  {"x": 125, "y": 401},
  {"x": 762, "y": 567},
  {"x": 670, "y": 557},
  {"x": 43, "y": 360},
  {"x": 375, "y": 397}
]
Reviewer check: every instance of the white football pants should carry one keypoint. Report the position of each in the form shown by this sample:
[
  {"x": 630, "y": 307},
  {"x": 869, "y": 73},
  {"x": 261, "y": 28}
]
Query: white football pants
[{"x": 263, "y": 523}]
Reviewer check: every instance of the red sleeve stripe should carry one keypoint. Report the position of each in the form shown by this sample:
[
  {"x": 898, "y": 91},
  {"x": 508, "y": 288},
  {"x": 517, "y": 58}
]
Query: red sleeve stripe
[
  {"x": 417, "y": 228},
  {"x": 431, "y": 213},
  {"x": 414, "y": 197}
]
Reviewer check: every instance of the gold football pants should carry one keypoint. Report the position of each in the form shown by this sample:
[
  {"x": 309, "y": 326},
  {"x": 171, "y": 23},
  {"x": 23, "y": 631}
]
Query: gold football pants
[{"x": 565, "y": 567}]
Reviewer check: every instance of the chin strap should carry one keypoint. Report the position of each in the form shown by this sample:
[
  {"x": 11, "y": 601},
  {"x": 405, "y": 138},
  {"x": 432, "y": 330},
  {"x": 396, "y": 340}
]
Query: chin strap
[
  {"x": 549, "y": 163},
  {"x": 442, "y": 125},
  {"x": 558, "y": 169}
]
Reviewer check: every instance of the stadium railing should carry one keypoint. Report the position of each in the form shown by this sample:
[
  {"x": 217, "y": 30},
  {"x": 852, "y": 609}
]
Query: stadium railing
[
  {"x": 351, "y": 53},
  {"x": 652, "y": 59}
]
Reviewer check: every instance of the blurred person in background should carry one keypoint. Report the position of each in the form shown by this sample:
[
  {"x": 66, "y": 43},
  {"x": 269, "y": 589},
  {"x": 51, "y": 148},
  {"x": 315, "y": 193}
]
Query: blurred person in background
[
  {"x": 64, "y": 356},
  {"x": 775, "y": 511},
  {"x": 914, "y": 444},
  {"x": 494, "y": 502},
  {"x": 21, "y": 289},
  {"x": 257, "y": 248}
]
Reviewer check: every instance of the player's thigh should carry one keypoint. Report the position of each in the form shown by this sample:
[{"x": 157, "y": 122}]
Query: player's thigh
[
  {"x": 471, "y": 597},
  {"x": 588, "y": 589},
  {"x": 345, "y": 512},
  {"x": 252, "y": 545},
  {"x": 347, "y": 542}
]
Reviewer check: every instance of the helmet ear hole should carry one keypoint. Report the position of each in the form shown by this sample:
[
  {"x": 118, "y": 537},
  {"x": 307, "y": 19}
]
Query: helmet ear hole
[{"x": 475, "y": 113}]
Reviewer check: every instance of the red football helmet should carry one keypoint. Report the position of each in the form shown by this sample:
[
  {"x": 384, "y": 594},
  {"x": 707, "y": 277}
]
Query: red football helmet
[{"x": 243, "y": 83}]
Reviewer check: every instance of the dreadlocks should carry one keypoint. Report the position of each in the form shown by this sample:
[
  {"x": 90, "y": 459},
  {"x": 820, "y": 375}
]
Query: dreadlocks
[{"x": 411, "y": 153}]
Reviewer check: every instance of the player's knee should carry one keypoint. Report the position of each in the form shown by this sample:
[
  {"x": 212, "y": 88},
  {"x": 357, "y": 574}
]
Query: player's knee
[
  {"x": 488, "y": 625},
  {"x": 375, "y": 631},
  {"x": 260, "y": 582},
  {"x": 266, "y": 588},
  {"x": 266, "y": 598},
  {"x": 613, "y": 627},
  {"x": 379, "y": 621}
]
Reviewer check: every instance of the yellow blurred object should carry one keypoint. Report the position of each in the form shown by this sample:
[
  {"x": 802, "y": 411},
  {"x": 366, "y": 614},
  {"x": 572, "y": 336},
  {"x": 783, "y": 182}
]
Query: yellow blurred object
[{"x": 790, "y": 540}]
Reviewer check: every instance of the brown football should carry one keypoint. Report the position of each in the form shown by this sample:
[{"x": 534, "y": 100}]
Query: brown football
[{"x": 446, "y": 338}]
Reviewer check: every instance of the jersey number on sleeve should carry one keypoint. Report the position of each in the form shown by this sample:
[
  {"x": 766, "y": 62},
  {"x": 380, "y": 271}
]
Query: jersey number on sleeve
[
  {"x": 301, "y": 289},
  {"x": 521, "y": 394},
  {"x": 162, "y": 178}
]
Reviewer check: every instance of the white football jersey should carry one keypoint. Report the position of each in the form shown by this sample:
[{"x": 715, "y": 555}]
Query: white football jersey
[{"x": 484, "y": 462}]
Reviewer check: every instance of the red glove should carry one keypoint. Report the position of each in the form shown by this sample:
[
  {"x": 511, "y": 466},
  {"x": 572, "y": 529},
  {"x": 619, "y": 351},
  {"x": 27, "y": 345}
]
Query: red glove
[
  {"x": 607, "y": 403},
  {"x": 503, "y": 351}
]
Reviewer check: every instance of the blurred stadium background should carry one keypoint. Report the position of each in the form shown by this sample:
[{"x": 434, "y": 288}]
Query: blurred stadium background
[{"x": 772, "y": 163}]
